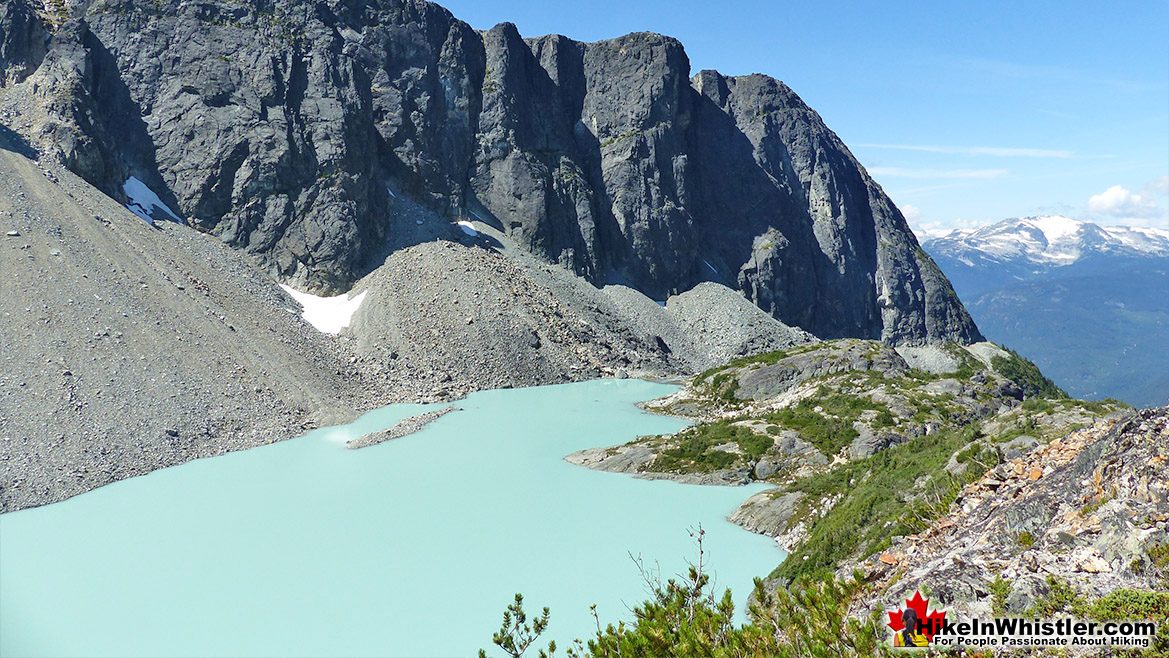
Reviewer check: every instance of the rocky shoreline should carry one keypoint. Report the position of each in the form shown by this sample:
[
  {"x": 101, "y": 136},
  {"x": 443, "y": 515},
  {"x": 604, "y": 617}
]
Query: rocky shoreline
[
  {"x": 764, "y": 420},
  {"x": 117, "y": 375}
]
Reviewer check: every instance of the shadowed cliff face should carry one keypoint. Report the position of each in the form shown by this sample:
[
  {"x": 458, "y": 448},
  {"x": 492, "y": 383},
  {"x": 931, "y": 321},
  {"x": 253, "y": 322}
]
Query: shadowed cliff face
[
  {"x": 285, "y": 127},
  {"x": 23, "y": 39}
]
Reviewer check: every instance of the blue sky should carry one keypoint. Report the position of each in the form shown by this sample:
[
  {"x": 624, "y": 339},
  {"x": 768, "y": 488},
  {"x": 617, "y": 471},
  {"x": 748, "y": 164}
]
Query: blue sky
[{"x": 966, "y": 113}]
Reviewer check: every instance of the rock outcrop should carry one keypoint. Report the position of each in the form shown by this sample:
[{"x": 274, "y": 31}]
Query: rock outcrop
[
  {"x": 286, "y": 129},
  {"x": 23, "y": 41},
  {"x": 1088, "y": 510}
]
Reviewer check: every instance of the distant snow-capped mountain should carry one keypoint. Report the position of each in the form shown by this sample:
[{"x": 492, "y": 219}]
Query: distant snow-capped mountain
[
  {"x": 1088, "y": 303},
  {"x": 1048, "y": 240}
]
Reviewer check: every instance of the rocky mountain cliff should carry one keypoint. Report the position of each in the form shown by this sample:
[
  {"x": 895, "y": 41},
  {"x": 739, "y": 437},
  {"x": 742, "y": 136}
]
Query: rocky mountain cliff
[
  {"x": 288, "y": 129},
  {"x": 132, "y": 345}
]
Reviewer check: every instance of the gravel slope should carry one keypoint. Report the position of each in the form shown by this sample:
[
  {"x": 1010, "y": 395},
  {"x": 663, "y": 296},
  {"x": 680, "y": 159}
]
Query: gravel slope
[
  {"x": 460, "y": 312},
  {"x": 128, "y": 348}
]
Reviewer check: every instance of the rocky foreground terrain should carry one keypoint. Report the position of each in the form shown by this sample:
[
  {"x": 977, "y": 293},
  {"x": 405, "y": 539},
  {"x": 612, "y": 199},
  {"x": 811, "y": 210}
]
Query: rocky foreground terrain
[
  {"x": 1067, "y": 523},
  {"x": 957, "y": 471}
]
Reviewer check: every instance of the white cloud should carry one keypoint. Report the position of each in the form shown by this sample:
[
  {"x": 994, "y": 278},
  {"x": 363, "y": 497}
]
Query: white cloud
[
  {"x": 927, "y": 227},
  {"x": 1158, "y": 187},
  {"x": 933, "y": 228},
  {"x": 996, "y": 151},
  {"x": 1118, "y": 201},
  {"x": 907, "y": 172},
  {"x": 912, "y": 213}
]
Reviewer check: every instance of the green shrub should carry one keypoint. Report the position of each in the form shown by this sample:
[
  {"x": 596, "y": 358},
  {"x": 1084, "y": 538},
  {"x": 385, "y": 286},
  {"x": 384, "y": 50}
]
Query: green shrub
[
  {"x": 827, "y": 433},
  {"x": 1000, "y": 589},
  {"x": 1060, "y": 598},
  {"x": 695, "y": 450},
  {"x": 684, "y": 617},
  {"x": 1027, "y": 375},
  {"x": 830, "y": 429},
  {"x": 894, "y": 492},
  {"x": 1127, "y": 604},
  {"x": 1025, "y": 539}
]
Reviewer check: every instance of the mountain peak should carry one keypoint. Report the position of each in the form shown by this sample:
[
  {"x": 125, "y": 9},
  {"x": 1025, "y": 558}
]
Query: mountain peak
[{"x": 1050, "y": 240}]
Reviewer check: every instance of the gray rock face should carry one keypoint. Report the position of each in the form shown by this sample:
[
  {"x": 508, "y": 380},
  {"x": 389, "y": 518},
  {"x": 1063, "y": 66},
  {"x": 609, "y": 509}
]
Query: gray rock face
[
  {"x": 23, "y": 42},
  {"x": 286, "y": 130},
  {"x": 774, "y": 379},
  {"x": 767, "y": 513}
]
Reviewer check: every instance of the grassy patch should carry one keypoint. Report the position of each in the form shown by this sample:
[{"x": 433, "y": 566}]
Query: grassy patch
[
  {"x": 1039, "y": 406},
  {"x": 723, "y": 386},
  {"x": 766, "y": 358},
  {"x": 1099, "y": 407},
  {"x": 830, "y": 429},
  {"x": 968, "y": 364},
  {"x": 1000, "y": 589},
  {"x": 977, "y": 453},
  {"x": 1158, "y": 560},
  {"x": 1025, "y": 540},
  {"x": 1096, "y": 503},
  {"x": 695, "y": 450}
]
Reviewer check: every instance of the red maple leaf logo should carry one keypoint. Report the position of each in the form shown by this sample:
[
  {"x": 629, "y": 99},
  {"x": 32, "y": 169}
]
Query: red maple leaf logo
[{"x": 930, "y": 621}]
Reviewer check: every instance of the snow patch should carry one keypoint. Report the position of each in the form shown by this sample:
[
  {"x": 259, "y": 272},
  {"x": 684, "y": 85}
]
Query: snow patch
[
  {"x": 710, "y": 266},
  {"x": 468, "y": 228},
  {"x": 1055, "y": 227},
  {"x": 143, "y": 200},
  {"x": 328, "y": 314},
  {"x": 1143, "y": 239}
]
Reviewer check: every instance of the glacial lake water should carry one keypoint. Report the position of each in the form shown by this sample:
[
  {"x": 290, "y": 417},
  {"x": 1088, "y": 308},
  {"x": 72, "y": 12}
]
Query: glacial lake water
[{"x": 408, "y": 548}]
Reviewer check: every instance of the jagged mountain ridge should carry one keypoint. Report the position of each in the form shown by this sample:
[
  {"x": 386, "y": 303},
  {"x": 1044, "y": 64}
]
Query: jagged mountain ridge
[
  {"x": 286, "y": 128},
  {"x": 1036, "y": 243}
]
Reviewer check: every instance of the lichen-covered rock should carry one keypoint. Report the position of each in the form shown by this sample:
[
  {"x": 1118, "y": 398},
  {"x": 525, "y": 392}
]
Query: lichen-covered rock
[
  {"x": 1089, "y": 510},
  {"x": 767, "y": 512},
  {"x": 767, "y": 381}
]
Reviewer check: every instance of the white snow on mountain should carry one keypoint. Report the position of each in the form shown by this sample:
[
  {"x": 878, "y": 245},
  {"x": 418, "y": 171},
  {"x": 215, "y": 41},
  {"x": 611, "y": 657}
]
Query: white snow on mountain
[
  {"x": 467, "y": 228},
  {"x": 144, "y": 202},
  {"x": 1050, "y": 240},
  {"x": 328, "y": 314}
]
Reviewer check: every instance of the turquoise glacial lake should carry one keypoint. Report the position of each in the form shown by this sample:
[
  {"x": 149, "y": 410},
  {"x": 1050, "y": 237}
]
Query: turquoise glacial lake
[{"x": 408, "y": 548}]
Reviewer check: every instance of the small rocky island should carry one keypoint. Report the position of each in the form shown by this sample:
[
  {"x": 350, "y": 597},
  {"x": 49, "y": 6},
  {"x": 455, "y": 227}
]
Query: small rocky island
[{"x": 404, "y": 428}]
